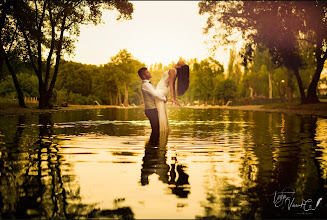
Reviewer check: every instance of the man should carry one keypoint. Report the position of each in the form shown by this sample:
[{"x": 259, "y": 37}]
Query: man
[{"x": 149, "y": 95}]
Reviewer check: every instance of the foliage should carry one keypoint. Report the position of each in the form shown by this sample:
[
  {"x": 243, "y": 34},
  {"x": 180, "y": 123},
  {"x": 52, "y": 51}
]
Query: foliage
[
  {"x": 203, "y": 79},
  {"x": 76, "y": 77},
  {"x": 54, "y": 26},
  {"x": 125, "y": 68},
  {"x": 234, "y": 71},
  {"x": 226, "y": 90},
  {"x": 28, "y": 84},
  {"x": 280, "y": 26},
  {"x": 105, "y": 84}
]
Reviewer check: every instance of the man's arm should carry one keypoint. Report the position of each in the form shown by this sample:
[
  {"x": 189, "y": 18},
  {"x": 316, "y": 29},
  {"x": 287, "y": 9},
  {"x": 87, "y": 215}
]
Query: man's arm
[{"x": 148, "y": 88}]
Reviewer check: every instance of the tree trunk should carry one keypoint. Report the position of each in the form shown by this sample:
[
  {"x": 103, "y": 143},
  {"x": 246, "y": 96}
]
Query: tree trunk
[
  {"x": 110, "y": 98},
  {"x": 289, "y": 93},
  {"x": 20, "y": 95},
  {"x": 2, "y": 60},
  {"x": 119, "y": 98},
  {"x": 126, "y": 95},
  {"x": 312, "y": 90},
  {"x": 251, "y": 92},
  {"x": 42, "y": 98},
  {"x": 280, "y": 91},
  {"x": 299, "y": 82},
  {"x": 56, "y": 68},
  {"x": 116, "y": 100},
  {"x": 14, "y": 77},
  {"x": 270, "y": 85},
  {"x": 140, "y": 99}
]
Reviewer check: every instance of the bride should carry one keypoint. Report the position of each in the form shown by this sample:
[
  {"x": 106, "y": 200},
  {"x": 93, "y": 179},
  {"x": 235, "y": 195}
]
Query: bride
[{"x": 180, "y": 72}]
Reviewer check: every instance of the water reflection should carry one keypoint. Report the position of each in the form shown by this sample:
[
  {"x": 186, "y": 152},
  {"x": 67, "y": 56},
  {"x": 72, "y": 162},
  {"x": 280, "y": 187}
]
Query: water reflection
[
  {"x": 272, "y": 161},
  {"x": 155, "y": 162},
  {"x": 36, "y": 182},
  {"x": 213, "y": 164}
]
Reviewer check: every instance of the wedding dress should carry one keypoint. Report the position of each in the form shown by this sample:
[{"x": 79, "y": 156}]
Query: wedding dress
[{"x": 163, "y": 88}]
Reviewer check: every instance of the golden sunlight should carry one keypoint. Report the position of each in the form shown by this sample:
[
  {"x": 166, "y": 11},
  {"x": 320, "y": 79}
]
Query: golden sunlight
[{"x": 160, "y": 32}]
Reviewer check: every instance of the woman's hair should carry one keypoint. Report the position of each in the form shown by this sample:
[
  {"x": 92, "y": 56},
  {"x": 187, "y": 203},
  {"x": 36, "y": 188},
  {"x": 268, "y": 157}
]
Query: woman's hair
[{"x": 183, "y": 81}]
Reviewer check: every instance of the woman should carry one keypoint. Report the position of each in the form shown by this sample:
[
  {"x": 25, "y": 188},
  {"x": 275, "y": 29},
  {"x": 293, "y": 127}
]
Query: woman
[{"x": 181, "y": 73}]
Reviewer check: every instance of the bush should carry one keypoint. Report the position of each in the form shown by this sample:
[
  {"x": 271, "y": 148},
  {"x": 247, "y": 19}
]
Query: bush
[
  {"x": 91, "y": 98},
  {"x": 78, "y": 99},
  {"x": 61, "y": 96},
  {"x": 27, "y": 82}
]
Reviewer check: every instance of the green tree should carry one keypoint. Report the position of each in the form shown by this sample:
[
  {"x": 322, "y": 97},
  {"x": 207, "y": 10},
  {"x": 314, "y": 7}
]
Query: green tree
[
  {"x": 204, "y": 78},
  {"x": 28, "y": 85},
  {"x": 225, "y": 90},
  {"x": 125, "y": 67},
  {"x": 76, "y": 78},
  {"x": 105, "y": 84},
  {"x": 280, "y": 26},
  {"x": 234, "y": 71},
  {"x": 156, "y": 72},
  {"x": 55, "y": 25}
]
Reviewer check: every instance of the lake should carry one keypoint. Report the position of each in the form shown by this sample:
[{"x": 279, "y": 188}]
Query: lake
[{"x": 214, "y": 163}]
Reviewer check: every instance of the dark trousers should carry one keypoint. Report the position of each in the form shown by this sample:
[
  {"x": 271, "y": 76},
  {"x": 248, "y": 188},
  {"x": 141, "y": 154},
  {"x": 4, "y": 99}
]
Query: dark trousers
[{"x": 152, "y": 115}]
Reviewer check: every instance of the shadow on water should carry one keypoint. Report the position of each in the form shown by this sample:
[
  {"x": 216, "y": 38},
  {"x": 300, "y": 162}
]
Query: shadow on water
[{"x": 34, "y": 179}]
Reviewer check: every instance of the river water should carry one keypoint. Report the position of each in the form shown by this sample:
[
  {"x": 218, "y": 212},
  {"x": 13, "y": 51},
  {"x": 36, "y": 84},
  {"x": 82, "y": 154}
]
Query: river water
[{"x": 215, "y": 163}]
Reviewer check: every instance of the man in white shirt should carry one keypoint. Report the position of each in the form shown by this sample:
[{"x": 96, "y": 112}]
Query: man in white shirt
[{"x": 149, "y": 95}]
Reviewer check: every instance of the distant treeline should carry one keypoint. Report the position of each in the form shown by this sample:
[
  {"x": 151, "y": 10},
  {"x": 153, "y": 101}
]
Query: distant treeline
[{"x": 117, "y": 82}]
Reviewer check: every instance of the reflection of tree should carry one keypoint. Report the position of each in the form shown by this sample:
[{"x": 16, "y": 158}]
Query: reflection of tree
[
  {"x": 284, "y": 157},
  {"x": 279, "y": 152},
  {"x": 321, "y": 161},
  {"x": 34, "y": 183},
  {"x": 155, "y": 161}
]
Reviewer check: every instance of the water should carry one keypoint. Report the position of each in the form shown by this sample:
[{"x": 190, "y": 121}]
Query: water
[{"x": 214, "y": 164}]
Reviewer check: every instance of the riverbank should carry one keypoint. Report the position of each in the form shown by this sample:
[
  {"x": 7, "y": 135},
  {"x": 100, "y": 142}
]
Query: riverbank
[{"x": 320, "y": 109}]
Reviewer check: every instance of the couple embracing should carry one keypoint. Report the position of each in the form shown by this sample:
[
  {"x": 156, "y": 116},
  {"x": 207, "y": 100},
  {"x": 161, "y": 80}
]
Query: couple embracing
[{"x": 155, "y": 98}]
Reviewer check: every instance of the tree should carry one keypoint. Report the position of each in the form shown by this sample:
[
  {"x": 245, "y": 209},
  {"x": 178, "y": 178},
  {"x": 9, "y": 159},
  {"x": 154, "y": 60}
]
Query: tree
[
  {"x": 204, "y": 78},
  {"x": 280, "y": 26},
  {"x": 234, "y": 71},
  {"x": 51, "y": 27},
  {"x": 76, "y": 78},
  {"x": 225, "y": 90},
  {"x": 7, "y": 39},
  {"x": 105, "y": 84},
  {"x": 126, "y": 67},
  {"x": 28, "y": 85}
]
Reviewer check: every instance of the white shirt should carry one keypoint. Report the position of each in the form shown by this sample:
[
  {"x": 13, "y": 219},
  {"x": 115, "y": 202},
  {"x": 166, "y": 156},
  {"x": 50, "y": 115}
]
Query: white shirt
[{"x": 148, "y": 87}]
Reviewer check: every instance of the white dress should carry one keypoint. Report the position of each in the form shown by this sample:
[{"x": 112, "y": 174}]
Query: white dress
[{"x": 163, "y": 88}]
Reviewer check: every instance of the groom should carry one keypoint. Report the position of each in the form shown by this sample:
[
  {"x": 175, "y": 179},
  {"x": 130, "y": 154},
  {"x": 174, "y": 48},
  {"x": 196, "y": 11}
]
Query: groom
[{"x": 149, "y": 95}]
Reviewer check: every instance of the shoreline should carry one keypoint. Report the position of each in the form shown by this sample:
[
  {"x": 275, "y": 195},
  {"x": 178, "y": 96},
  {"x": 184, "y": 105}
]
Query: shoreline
[{"x": 310, "y": 109}]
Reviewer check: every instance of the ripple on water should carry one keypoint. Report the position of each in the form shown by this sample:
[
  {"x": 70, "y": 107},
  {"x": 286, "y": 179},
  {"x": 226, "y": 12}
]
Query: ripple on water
[{"x": 223, "y": 165}]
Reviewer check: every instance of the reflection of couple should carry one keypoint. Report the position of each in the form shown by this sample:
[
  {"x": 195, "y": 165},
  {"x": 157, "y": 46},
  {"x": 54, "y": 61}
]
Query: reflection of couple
[
  {"x": 155, "y": 161},
  {"x": 155, "y": 99}
]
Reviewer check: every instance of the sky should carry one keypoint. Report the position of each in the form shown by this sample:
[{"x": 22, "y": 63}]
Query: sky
[{"x": 159, "y": 32}]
